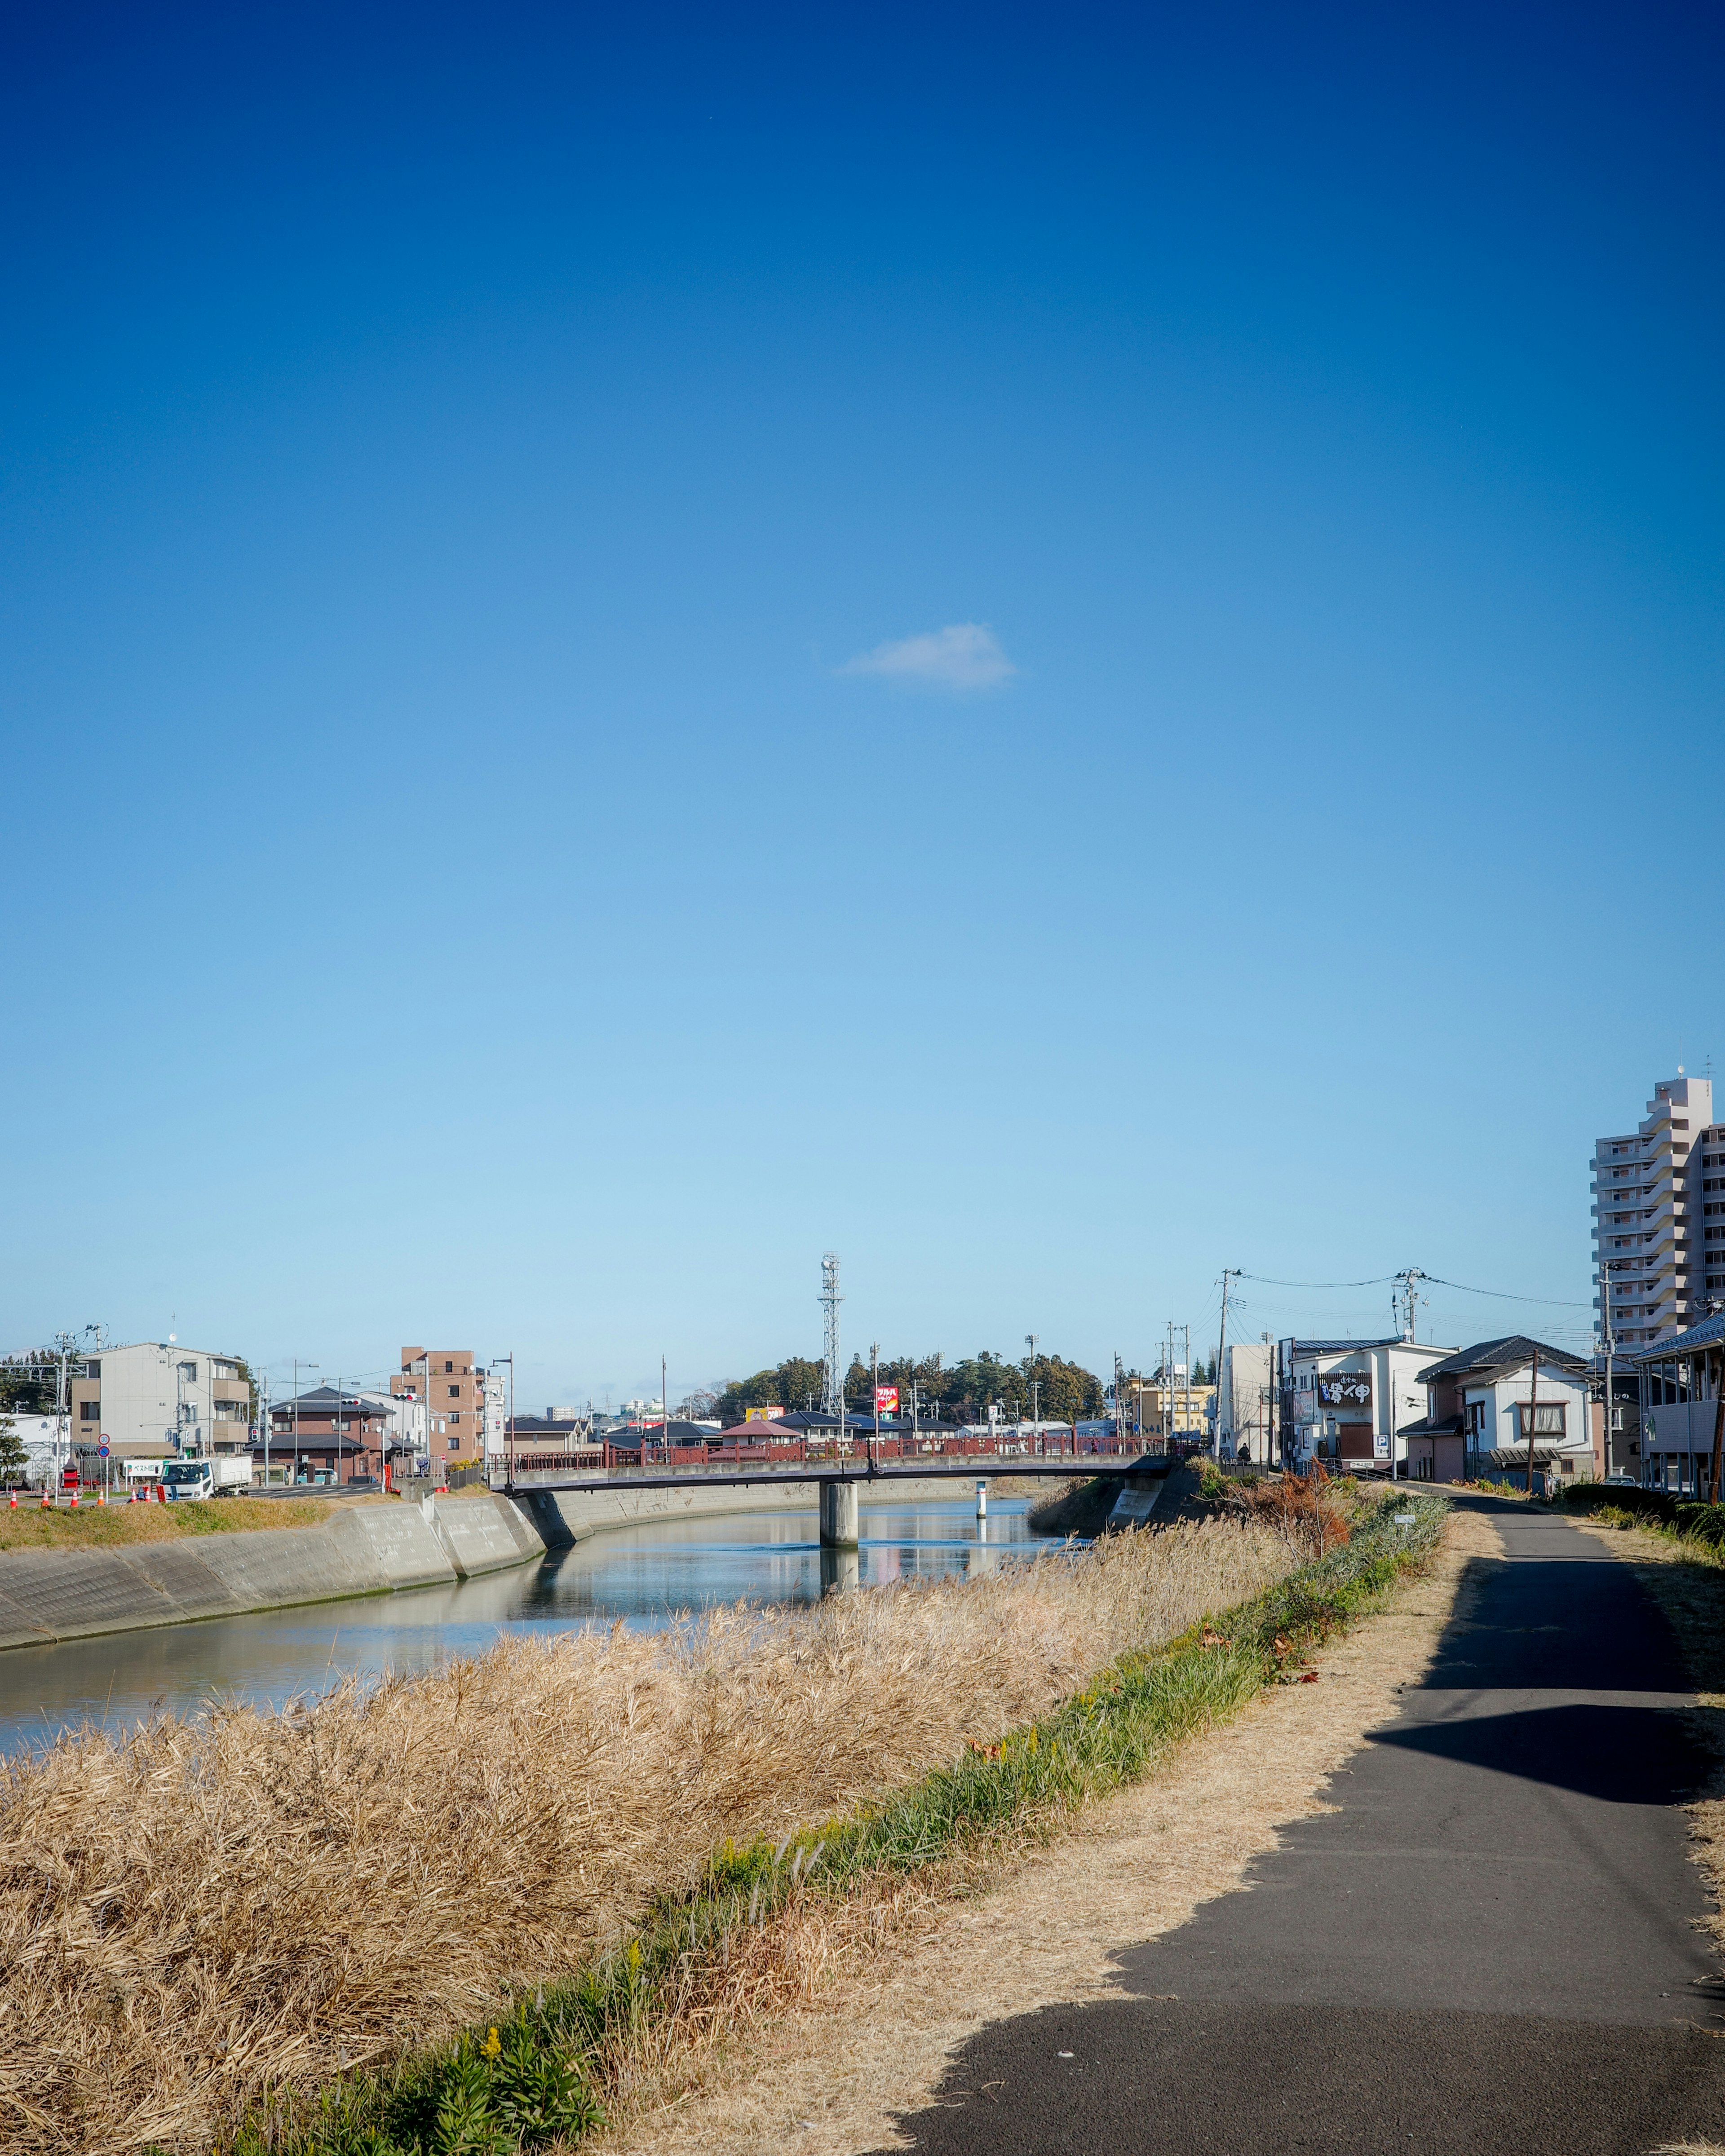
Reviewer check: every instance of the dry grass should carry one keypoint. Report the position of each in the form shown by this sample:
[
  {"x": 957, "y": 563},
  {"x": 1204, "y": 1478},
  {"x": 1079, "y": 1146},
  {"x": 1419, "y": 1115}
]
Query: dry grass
[
  {"x": 207, "y": 1910},
  {"x": 845, "y": 2015},
  {"x": 119, "y": 1526}
]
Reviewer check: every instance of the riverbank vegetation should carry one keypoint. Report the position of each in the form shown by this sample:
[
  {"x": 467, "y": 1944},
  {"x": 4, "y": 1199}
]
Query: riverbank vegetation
[
  {"x": 208, "y": 1910},
  {"x": 751, "y": 1936},
  {"x": 567, "y": 1846},
  {"x": 117, "y": 1524}
]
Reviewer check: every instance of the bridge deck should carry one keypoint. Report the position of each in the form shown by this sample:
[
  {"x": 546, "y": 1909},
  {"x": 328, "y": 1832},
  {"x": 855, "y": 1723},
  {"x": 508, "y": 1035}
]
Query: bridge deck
[{"x": 968, "y": 1470}]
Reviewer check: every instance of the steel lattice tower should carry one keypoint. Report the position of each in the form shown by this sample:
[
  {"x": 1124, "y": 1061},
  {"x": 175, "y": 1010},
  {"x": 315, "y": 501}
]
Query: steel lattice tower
[{"x": 833, "y": 1401}]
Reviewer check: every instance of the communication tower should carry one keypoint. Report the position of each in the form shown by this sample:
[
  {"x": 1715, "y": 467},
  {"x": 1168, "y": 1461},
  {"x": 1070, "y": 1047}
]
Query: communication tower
[{"x": 833, "y": 1401}]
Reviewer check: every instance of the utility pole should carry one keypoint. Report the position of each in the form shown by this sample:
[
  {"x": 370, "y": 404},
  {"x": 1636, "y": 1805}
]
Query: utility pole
[
  {"x": 1610, "y": 1343},
  {"x": 665, "y": 1410},
  {"x": 509, "y": 1421},
  {"x": 874, "y": 1373},
  {"x": 1035, "y": 1387},
  {"x": 1228, "y": 1272},
  {"x": 1533, "y": 1419},
  {"x": 312, "y": 1366},
  {"x": 1186, "y": 1411}
]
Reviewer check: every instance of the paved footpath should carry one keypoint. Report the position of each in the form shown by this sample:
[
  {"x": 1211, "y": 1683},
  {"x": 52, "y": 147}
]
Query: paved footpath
[{"x": 1490, "y": 1945}]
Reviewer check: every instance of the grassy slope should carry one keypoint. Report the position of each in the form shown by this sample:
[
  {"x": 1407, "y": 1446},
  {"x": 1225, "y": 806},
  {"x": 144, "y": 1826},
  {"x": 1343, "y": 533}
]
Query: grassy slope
[
  {"x": 538, "y": 2076},
  {"x": 115, "y": 1526}
]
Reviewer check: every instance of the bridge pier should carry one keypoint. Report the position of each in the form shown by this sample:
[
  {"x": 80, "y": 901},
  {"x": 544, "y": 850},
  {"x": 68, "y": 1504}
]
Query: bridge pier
[
  {"x": 840, "y": 1571},
  {"x": 838, "y": 1515}
]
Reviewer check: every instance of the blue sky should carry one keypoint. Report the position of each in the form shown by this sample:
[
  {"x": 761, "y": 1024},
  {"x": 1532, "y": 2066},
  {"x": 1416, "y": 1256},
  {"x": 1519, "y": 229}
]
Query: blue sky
[{"x": 1050, "y": 649}]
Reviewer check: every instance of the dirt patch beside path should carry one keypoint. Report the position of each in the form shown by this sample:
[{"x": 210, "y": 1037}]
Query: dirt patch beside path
[{"x": 831, "y": 2077}]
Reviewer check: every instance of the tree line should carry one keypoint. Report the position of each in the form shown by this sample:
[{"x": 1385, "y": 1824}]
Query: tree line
[{"x": 957, "y": 1392}]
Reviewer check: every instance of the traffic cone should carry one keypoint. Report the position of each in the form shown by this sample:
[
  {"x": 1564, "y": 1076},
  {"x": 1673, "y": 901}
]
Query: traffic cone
[
  {"x": 75, "y": 1501},
  {"x": 45, "y": 1497},
  {"x": 14, "y": 1501}
]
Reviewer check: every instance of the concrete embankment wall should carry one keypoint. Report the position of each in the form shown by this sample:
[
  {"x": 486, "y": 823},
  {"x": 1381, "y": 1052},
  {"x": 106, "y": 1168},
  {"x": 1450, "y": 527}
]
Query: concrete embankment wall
[
  {"x": 47, "y": 1595},
  {"x": 563, "y": 1517}
]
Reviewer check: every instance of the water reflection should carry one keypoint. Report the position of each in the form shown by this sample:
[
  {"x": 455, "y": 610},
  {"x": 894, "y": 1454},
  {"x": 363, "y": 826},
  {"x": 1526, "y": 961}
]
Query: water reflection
[{"x": 643, "y": 1575}]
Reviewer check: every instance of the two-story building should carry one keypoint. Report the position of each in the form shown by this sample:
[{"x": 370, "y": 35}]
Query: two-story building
[
  {"x": 1480, "y": 1401},
  {"x": 328, "y": 1435},
  {"x": 1348, "y": 1402}
]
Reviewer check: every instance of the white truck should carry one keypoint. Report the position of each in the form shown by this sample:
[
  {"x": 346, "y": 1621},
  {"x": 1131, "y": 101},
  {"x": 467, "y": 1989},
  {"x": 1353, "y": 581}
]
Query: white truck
[{"x": 220, "y": 1475}]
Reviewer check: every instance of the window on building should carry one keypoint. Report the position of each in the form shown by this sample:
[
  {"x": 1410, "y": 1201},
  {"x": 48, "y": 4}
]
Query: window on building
[
  {"x": 455, "y": 1391},
  {"x": 1547, "y": 1420},
  {"x": 447, "y": 1367},
  {"x": 188, "y": 1371},
  {"x": 90, "y": 1411},
  {"x": 456, "y": 1416},
  {"x": 455, "y": 1440}
]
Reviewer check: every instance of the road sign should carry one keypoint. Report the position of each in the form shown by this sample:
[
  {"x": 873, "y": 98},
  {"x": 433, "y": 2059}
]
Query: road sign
[{"x": 102, "y": 1451}]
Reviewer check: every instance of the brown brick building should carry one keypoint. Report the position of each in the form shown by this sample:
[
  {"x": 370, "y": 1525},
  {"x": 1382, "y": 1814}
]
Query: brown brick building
[{"x": 453, "y": 1393}]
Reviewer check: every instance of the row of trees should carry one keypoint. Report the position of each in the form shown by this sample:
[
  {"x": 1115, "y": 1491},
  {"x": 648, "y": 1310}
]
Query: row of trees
[
  {"x": 1064, "y": 1392},
  {"x": 30, "y": 1387}
]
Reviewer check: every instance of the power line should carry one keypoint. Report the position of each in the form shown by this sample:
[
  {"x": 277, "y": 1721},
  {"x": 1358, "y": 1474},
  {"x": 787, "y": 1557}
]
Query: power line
[
  {"x": 1555, "y": 1302},
  {"x": 1265, "y": 1280},
  {"x": 1551, "y": 1301}
]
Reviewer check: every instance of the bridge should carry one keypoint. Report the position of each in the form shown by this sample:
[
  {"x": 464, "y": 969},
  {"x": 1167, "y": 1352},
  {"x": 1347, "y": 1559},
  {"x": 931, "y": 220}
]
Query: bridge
[{"x": 839, "y": 1480}]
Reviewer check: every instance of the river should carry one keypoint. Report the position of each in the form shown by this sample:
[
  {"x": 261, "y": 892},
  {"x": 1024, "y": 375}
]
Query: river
[{"x": 643, "y": 1575}]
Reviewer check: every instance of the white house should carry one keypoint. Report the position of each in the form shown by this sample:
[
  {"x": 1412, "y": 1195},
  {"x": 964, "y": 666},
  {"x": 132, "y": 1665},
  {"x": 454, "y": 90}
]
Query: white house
[
  {"x": 1348, "y": 1402},
  {"x": 46, "y": 1441},
  {"x": 404, "y": 1422},
  {"x": 1478, "y": 1403}
]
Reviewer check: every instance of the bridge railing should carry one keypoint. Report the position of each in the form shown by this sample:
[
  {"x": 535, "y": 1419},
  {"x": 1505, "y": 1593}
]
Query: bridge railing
[{"x": 1087, "y": 1448}]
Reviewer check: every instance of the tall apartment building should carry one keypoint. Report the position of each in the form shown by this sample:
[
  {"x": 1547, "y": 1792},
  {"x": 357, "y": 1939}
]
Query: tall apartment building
[
  {"x": 452, "y": 1396},
  {"x": 1659, "y": 1230}
]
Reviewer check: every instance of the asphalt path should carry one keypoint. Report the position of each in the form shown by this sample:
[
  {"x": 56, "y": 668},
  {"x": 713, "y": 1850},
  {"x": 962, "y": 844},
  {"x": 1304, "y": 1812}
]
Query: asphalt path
[{"x": 1491, "y": 1944}]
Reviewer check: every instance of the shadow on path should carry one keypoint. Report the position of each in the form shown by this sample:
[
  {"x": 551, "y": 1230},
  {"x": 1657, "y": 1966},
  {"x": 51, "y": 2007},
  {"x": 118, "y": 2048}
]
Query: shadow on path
[{"x": 1491, "y": 1943}]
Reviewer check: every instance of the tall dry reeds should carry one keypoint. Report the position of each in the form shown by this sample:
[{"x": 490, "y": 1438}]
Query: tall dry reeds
[{"x": 207, "y": 1909}]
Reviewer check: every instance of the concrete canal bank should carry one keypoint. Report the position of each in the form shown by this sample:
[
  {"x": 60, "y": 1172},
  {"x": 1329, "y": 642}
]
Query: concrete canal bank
[
  {"x": 379, "y": 1547},
  {"x": 47, "y": 1595}
]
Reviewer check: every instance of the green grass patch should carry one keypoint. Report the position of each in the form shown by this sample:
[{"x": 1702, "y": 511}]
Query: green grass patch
[
  {"x": 533, "y": 2079},
  {"x": 1614, "y": 1506}
]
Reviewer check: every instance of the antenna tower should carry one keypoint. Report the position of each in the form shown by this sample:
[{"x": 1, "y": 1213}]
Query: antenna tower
[{"x": 833, "y": 1401}]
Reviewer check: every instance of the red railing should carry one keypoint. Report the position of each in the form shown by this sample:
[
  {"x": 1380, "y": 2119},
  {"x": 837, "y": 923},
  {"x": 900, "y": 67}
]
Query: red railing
[{"x": 856, "y": 1448}]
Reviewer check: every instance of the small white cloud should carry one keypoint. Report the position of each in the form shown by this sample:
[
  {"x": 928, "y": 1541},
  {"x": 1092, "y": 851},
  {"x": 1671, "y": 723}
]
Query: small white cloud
[{"x": 967, "y": 655}]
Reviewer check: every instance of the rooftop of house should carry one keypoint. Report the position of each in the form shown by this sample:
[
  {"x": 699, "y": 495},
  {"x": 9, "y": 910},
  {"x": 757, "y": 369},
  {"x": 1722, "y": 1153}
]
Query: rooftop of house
[
  {"x": 322, "y": 1400},
  {"x": 1488, "y": 1359},
  {"x": 1346, "y": 1347}
]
